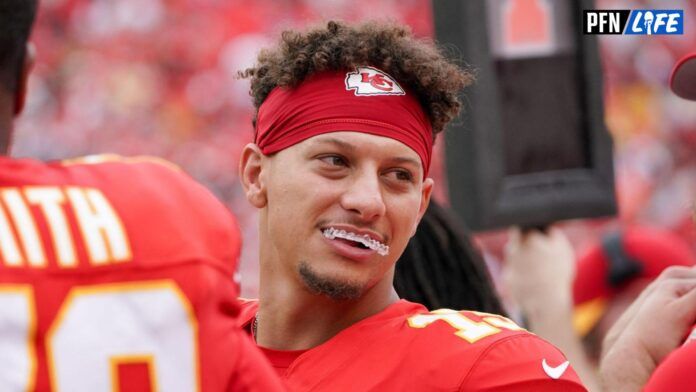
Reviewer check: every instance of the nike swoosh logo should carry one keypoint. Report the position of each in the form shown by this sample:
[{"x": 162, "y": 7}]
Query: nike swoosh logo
[{"x": 554, "y": 372}]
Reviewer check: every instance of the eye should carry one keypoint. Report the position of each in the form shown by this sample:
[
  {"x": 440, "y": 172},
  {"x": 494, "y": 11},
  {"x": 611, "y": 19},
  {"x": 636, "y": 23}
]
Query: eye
[
  {"x": 402, "y": 175},
  {"x": 334, "y": 160}
]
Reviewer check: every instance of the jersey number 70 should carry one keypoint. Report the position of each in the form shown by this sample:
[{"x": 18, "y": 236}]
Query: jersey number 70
[{"x": 97, "y": 329}]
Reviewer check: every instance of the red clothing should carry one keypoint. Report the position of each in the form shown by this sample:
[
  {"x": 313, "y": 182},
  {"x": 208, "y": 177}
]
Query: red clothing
[
  {"x": 119, "y": 275},
  {"x": 407, "y": 348},
  {"x": 676, "y": 372},
  {"x": 281, "y": 360}
]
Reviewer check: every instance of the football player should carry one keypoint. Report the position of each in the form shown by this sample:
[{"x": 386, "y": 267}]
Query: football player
[
  {"x": 115, "y": 273},
  {"x": 345, "y": 123}
]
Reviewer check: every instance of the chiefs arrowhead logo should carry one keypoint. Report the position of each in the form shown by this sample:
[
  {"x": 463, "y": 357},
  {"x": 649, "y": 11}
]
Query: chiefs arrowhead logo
[{"x": 371, "y": 81}]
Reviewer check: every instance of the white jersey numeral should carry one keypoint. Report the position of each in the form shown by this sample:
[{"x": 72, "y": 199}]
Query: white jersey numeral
[
  {"x": 17, "y": 328},
  {"x": 466, "y": 328},
  {"x": 97, "y": 329}
]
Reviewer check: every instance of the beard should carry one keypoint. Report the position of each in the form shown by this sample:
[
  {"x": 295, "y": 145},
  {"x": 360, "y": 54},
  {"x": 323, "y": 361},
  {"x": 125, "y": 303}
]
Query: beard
[{"x": 336, "y": 289}]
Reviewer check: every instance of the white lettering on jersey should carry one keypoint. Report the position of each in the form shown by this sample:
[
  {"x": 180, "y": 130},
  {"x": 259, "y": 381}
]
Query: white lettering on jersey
[
  {"x": 101, "y": 228},
  {"x": 103, "y": 234},
  {"x": 50, "y": 200},
  {"x": 9, "y": 249},
  {"x": 25, "y": 225}
]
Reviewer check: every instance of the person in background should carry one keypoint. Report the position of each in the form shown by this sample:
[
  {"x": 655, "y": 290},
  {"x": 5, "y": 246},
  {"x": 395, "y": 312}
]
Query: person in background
[
  {"x": 538, "y": 276},
  {"x": 441, "y": 268},
  {"x": 114, "y": 272},
  {"x": 650, "y": 347},
  {"x": 574, "y": 304},
  {"x": 345, "y": 123},
  {"x": 611, "y": 274}
]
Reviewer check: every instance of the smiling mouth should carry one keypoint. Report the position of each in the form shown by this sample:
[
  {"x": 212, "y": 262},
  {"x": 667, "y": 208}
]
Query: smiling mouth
[{"x": 363, "y": 241}]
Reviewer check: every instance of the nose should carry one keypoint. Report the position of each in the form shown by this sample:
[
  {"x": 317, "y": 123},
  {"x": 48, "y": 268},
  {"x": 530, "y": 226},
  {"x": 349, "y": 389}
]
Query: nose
[{"x": 364, "y": 196}]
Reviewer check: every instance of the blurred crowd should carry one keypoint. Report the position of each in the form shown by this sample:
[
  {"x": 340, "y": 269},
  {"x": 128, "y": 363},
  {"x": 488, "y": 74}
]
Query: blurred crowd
[
  {"x": 159, "y": 77},
  {"x": 654, "y": 131}
]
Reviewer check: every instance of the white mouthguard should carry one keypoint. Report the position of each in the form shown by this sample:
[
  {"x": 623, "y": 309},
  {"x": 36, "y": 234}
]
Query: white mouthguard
[{"x": 377, "y": 246}]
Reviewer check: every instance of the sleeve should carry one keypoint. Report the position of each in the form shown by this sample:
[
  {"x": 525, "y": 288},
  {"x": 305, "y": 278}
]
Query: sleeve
[
  {"x": 522, "y": 363},
  {"x": 676, "y": 372}
]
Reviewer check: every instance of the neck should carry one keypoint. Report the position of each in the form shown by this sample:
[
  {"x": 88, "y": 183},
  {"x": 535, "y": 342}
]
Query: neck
[
  {"x": 6, "y": 121},
  {"x": 290, "y": 317}
]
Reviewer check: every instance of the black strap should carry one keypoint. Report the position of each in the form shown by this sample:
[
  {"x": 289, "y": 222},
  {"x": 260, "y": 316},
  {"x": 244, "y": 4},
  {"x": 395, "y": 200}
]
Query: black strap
[{"x": 622, "y": 267}]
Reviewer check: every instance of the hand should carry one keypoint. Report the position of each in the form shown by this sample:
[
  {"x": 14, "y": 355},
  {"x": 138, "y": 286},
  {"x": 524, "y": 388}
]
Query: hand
[
  {"x": 654, "y": 325},
  {"x": 539, "y": 269}
]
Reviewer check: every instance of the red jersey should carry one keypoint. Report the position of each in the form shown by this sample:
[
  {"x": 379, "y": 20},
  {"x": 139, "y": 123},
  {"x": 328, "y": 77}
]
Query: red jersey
[
  {"x": 407, "y": 348},
  {"x": 676, "y": 372},
  {"x": 117, "y": 275}
]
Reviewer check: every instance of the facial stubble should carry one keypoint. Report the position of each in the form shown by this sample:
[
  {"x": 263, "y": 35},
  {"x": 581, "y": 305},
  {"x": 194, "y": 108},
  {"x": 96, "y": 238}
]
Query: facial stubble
[{"x": 336, "y": 289}]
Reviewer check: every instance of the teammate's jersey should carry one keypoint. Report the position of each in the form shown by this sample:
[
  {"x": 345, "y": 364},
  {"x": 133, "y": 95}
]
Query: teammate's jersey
[
  {"x": 676, "y": 372},
  {"x": 118, "y": 276},
  {"x": 407, "y": 348}
]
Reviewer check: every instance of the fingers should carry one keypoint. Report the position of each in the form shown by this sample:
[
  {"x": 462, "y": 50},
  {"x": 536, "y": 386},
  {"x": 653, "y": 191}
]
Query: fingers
[
  {"x": 536, "y": 237},
  {"x": 675, "y": 288},
  {"x": 560, "y": 237},
  {"x": 531, "y": 239},
  {"x": 674, "y": 280},
  {"x": 514, "y": 233},
  {"x": 687, "y": 302},
  {"x": 678, "y": 272},
  {"x": 672, "y": 273},
  {"x": 514, "y": 239}
]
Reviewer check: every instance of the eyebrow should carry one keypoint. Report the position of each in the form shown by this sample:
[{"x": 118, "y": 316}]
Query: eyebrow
[
  {"x": 337, "y": 142},
  {"x": 412, "y": 161},
  {"x": 352, "y": 148}
]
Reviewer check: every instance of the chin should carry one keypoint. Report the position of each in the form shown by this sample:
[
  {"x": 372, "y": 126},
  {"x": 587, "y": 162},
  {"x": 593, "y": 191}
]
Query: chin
[{"x": 335, "y": 287}]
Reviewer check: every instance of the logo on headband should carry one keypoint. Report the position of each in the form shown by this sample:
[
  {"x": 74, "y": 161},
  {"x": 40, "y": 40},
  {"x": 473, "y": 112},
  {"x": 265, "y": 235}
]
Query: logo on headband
[{"x": 371, "y": 81}]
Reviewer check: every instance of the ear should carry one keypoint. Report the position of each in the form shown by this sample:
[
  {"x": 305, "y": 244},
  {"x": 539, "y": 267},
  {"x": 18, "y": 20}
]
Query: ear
[
  {"x": 251, "y": 174},
  {"x": 426, "y": 191},
  {"x": 21, "y": 91}
]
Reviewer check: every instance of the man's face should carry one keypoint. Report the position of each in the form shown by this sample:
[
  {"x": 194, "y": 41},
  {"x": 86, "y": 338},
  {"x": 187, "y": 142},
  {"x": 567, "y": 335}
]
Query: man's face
[{"x": 370, "y": 187}]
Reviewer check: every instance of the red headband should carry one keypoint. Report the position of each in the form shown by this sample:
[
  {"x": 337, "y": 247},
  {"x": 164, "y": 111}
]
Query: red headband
[{"x": 367, "y": 100}]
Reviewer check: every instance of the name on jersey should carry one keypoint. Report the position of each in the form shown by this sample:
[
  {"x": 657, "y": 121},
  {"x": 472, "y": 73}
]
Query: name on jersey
[{"x": 36, "y": 218}]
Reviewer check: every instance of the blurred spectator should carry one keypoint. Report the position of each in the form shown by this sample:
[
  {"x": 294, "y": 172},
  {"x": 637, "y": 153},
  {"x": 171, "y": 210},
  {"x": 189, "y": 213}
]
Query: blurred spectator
[
  {"x": 644, "y": 335},
  {"x": 542, "y": 278},
  {"x": 611, "y": 275},
  {"x": 642, "y": 345},
  {"x": 538, "y": 276}
]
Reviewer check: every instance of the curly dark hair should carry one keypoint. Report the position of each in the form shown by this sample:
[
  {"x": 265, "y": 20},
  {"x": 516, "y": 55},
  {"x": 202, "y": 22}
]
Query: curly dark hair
[{"x": 417, "y": 63}]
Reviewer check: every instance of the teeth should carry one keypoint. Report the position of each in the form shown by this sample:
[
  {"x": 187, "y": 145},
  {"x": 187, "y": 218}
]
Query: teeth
[
  {"x": 330, "y": 233},
  {"x": 375, "y": 245}
]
